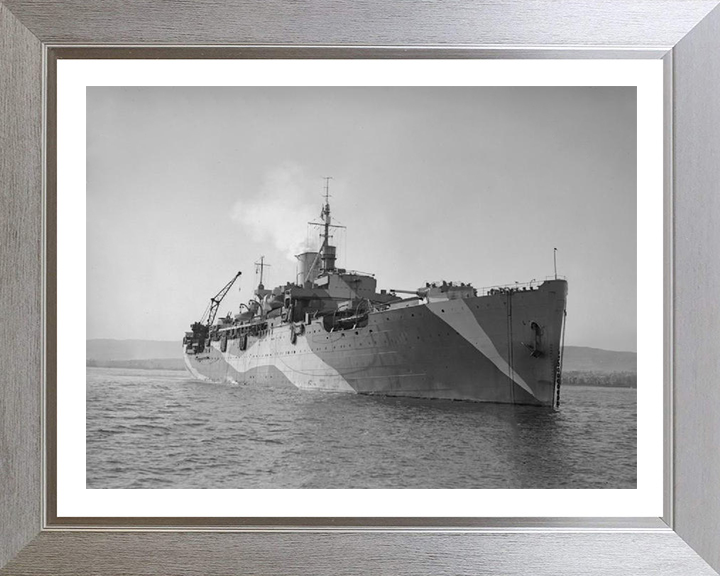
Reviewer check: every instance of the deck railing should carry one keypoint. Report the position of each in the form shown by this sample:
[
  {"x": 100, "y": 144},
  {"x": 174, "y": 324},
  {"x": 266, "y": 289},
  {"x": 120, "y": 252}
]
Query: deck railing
[{"x": 517, "y": 286}]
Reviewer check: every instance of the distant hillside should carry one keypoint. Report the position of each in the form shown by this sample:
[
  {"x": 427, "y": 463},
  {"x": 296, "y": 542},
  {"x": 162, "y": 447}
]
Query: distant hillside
[
  {"x": 107, "y": 349},
  {"x": 582, "y": 359},
  {"x": 153, "y": 364},
  {"x": 576, "y": 359},
  {"x": 604, "y": 379}
]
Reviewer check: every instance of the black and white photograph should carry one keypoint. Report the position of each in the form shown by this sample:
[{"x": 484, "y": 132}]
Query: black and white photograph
[
  {"x": 362, "y": 287},
  {"x": 384, "y": 288}
]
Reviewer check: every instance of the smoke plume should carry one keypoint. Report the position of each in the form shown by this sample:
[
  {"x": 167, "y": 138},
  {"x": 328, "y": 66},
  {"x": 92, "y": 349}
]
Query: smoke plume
[{"x": 287, "y": 200}]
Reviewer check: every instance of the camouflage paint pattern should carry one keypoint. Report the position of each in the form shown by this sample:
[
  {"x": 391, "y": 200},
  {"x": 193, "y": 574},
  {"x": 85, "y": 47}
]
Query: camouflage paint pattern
[{"x": 503, "y": 347}]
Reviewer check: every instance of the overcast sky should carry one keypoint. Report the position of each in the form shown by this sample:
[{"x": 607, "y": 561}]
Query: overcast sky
[{"x": 186, "y": 186}]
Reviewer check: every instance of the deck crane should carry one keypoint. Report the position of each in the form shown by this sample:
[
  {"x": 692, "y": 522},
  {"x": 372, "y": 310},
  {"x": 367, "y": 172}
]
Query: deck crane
[{"x": 211, "y": 311}]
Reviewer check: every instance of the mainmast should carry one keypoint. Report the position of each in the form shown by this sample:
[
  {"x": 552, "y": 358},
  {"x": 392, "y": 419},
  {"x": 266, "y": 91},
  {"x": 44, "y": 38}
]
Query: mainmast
[{"x": 260, "y": 266}]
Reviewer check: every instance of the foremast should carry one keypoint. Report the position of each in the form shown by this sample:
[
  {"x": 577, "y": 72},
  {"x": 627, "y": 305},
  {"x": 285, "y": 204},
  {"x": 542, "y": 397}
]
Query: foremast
[{"x": 327, "y": 252}]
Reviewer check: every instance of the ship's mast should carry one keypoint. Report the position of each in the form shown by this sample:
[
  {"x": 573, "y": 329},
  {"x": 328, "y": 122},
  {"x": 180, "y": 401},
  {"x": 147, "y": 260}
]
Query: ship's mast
[
  {"x": 261, "y": 266},
  {"x": 327, "y": 253},
  {"x": 326, "y": 213}
]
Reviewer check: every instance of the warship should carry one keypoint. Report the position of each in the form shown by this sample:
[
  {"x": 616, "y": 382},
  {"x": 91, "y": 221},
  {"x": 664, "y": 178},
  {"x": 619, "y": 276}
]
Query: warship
[{"x": 332, "y": 330}]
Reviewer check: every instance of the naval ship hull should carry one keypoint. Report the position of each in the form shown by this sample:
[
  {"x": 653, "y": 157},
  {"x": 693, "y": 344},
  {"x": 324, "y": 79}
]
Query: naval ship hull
[{"x": 503, "y": 347}]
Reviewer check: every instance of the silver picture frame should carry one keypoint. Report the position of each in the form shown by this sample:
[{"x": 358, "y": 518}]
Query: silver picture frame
[{"x": 685, "y": 34}]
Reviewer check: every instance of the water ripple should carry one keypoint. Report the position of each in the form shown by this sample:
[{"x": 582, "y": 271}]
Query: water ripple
[{"x": 161, "y": 430}]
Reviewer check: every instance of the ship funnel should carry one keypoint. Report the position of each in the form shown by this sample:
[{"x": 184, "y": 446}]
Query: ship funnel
[
  {"x": 309, "y": 267},
  {"x": 328, "y": 258}
]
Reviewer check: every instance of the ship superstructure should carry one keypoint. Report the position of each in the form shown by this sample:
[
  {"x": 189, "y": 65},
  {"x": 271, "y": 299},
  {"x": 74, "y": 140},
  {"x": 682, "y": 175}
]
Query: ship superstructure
[{"x": 331, "y": 329}]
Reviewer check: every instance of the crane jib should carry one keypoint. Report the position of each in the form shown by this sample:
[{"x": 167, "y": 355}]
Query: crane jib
[{"x": 217, "y": 299}]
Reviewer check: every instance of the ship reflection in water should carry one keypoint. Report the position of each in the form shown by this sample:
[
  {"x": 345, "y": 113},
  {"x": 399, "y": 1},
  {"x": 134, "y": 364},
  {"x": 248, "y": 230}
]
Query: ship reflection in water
[{"x": 160, "y": 429}]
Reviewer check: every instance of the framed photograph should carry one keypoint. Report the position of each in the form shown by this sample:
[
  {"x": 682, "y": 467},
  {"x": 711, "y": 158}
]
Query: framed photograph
[{"x": 457, "y": 284}]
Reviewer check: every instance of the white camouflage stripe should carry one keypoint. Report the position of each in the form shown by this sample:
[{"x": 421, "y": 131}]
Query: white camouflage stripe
[{"x": 461, "y": 319}]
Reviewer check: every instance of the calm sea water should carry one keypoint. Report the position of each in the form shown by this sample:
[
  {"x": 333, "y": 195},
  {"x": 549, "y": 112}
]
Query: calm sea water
[{"x": 161, "y": 429}]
